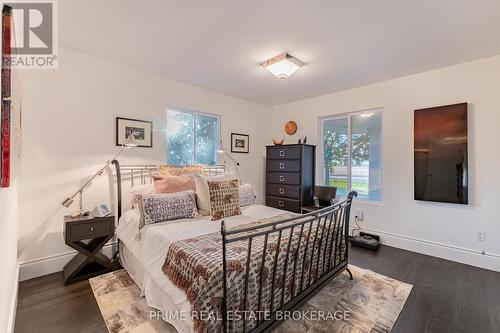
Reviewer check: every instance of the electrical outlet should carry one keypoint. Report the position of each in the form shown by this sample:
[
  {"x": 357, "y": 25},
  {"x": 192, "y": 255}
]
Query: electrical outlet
[
  {"x": 358, "y": 215},
  {"x": 480, "y": 235}
]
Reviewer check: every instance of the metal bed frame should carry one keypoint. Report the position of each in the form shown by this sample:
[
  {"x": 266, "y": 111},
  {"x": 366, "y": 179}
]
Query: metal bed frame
[
  {"x": 334, "y": 219},
  {"x": 141, "y": 174},
  {"x": 337, "y": 219}
]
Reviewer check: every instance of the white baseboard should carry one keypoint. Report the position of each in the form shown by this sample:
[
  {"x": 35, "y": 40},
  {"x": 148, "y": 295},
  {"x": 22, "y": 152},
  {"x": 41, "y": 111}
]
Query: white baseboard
[
  {"x": 52, "y": 264},
  {"x": 13, "y": 304},
  {"x": 462, "y": 255}
]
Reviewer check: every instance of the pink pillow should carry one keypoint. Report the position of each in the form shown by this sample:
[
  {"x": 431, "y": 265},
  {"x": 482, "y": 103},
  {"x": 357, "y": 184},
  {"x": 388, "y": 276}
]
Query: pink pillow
[{"x": 174, "y": 184}]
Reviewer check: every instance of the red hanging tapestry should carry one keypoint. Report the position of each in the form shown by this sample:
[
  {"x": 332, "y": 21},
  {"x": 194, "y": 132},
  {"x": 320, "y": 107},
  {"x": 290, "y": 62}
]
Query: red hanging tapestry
[{"x": 6, "y": 94}]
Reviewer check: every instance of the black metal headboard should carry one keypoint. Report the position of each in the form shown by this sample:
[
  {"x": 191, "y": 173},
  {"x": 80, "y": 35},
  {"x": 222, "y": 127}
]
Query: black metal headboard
[
  {"x": 118, "y": 187},
  {"x": 141, "y": 174}
]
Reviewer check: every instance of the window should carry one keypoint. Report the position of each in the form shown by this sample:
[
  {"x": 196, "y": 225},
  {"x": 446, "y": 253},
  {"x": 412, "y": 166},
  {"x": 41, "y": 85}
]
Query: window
[
  {"x": 192, "y": 137},
  {"x": 351, "y": 153}
]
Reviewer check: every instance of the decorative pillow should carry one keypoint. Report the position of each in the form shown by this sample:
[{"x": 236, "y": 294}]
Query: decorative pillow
[
  {"x": 247, "y": 195},
  {"x": 174, "y": 170},
  {"x": 224, "y": 198},
  {"x": 202, "y": 194},
  {"x": 160, "y": 207},
  {"x": 172, "y": 184},
  {"x": 141, "y": 189}
]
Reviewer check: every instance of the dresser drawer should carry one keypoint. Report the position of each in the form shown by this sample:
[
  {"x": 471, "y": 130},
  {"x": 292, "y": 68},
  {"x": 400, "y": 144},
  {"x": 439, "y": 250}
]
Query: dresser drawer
[
  {"x": 283, "y": 178},
  {"x": 283, "y": 152},
  {"x": 91, "y": 229},
  {"x": 283, "y": 203},
  {"x": 283, "y": 165},
  {"x": 289, "y": 191}
]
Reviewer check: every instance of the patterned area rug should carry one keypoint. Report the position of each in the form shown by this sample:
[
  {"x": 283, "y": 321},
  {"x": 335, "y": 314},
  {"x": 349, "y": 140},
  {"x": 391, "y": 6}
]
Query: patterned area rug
[{"x": 371, "y": 303}]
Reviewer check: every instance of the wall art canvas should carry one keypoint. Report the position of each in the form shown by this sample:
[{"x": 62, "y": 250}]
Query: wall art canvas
[
  {"x": 141, "y": 129},
  {"x": 5, "y": 109},
  {"x": 240, "y": 143},
  {"x": 441, "y": 154}
]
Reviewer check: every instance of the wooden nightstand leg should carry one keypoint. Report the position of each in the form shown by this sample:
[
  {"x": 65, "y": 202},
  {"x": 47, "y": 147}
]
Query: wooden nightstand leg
[
  {"x": 70, "y": 271},
  {"x": 89, "y": 262}
]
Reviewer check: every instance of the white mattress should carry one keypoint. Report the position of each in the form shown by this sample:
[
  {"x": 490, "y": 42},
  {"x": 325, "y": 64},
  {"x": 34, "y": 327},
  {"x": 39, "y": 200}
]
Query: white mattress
[{"x": 144, "y": 253}]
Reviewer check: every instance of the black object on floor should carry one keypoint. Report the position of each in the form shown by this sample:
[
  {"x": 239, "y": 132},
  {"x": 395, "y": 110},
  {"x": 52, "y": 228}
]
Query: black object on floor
[{"x": 365, "y": 240}]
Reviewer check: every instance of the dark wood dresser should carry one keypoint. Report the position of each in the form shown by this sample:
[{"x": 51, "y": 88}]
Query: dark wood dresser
[{"x": 290, "y": 176}]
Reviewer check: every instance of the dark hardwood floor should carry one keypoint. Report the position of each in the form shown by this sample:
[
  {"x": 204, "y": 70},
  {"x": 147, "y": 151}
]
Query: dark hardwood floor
[{"x": 446, "y": 298}]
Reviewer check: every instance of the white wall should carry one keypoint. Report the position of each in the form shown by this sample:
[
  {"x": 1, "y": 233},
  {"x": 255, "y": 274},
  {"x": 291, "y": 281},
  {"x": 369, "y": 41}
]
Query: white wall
[
  {"x": 442, "y": 230},
  {"x": 69, "y": 132},
  {"x": 8, "y": 256}
]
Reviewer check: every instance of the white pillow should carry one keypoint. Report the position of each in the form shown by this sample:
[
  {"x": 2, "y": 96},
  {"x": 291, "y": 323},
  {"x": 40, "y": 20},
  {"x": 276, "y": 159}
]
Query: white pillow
[
  {"x": 202, "y": 194},
  {"x": 140, "y": 190},
  {"x": 247, "y": 195}
]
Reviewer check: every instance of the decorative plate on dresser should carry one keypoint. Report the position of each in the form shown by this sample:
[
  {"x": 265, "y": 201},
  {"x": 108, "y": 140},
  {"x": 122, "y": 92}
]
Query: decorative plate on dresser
[{"x": 290, "y": 176}]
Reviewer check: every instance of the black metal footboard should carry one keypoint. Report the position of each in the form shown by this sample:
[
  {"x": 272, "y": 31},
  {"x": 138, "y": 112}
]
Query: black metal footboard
[{"x": 287, "y": 262}]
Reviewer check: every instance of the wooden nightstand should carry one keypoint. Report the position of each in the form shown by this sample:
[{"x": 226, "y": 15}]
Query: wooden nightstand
[{"x": 87, "y": 235}]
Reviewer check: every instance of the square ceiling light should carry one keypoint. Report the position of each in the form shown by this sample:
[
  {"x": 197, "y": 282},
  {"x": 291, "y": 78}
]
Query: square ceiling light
[{"x": 282, "y": 66}]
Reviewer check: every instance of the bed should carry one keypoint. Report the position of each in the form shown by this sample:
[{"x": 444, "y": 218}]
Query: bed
[{"x": 267, "y": 261}]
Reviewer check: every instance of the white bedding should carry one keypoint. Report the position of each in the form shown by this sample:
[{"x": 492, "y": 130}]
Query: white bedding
[{"x": 150, "y": 248}]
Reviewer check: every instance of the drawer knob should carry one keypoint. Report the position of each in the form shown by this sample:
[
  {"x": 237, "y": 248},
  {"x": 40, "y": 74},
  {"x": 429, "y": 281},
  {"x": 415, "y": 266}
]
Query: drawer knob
[
  {"x": 282, "y": 190},
  {"x": 281, "y": 203},
  {"x": 91, "y": 228},
  {"x": 282, "y": 178},
  {"x": 282, "y": 153},
  {"x": 282, "y": 166}
]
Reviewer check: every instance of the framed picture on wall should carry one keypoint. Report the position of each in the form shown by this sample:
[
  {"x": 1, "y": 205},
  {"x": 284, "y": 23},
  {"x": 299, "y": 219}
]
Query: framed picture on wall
[
  {"x": 240, "y": 143},
  {"x": 141, "y": 129}
]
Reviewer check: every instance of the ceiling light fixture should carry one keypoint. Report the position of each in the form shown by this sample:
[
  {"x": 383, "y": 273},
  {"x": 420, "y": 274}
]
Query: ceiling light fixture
[{"x": 282, "y": 66}]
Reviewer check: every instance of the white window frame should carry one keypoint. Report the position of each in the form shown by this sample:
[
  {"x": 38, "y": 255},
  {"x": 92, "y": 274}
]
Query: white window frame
[
  {"x": 320, "y": 180},
  {"x": 194, "y": 113}
]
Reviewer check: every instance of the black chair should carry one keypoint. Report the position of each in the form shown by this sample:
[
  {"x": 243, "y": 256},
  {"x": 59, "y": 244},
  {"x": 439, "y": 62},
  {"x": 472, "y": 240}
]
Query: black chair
[{"x": 324, "y": 196}]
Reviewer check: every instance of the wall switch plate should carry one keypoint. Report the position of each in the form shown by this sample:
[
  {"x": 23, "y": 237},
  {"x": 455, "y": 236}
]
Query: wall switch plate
[
  {"x": 358, "y": 215},
  {"x": 480, "y": 235}
]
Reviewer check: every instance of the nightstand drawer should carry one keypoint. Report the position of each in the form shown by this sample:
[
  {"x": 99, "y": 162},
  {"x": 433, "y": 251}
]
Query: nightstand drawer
[{"x": 91, "y": 229}]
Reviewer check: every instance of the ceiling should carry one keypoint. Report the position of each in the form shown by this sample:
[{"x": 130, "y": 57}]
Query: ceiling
[{"x": 219, "y": 44}]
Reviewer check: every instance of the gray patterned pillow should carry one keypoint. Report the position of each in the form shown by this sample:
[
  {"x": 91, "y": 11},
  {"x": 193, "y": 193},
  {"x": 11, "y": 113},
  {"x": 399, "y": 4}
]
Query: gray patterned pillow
[
  {"x": 247, "y": 195},
  {"x": 160, "y": 207},
  {"x": 224, "y": 198}
]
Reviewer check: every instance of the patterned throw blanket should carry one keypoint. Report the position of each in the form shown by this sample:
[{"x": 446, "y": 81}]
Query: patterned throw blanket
[{"x": 195, "y": 266}]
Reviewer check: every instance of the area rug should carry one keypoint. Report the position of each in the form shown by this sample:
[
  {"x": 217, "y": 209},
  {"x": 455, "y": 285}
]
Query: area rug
[{"x": 369, "y": 303}]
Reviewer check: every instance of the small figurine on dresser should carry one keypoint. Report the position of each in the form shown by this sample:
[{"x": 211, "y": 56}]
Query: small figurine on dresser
[{"x": 278, "y": 143}]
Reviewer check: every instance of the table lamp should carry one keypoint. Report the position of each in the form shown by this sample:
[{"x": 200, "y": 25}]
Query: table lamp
[{"x": 129, "y": 143}]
